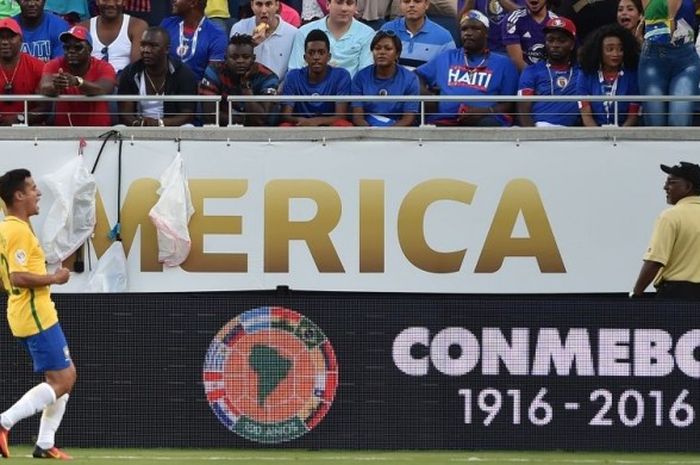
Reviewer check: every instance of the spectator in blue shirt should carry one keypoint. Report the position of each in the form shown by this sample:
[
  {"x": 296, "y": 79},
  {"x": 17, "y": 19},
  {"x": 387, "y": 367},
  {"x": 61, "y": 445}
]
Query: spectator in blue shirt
[
  {"x": 609, "y": 60},
  {"x": 349, "y": 38},
  {"x": 40, "y": 30},
  {"x": 556, "y": 75},
  {"x": 194, "y": 38},
  {"x": 318, "y": 78},
  {"x": 471, "y": 70},
  {"x": 385, "y": 77},
  {"x": 421, "y": 38}
]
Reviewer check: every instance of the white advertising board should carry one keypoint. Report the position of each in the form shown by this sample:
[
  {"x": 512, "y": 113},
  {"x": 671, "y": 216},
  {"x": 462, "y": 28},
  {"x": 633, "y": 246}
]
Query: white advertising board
[{"x": 452, "y": 217}]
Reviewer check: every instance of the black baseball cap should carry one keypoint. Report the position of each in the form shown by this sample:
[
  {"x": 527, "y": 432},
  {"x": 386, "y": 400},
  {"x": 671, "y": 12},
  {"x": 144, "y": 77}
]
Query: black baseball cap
[{"x": 688, "y": 171}]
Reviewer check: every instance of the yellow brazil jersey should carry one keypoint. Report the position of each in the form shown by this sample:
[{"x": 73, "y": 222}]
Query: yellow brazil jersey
[{"x": 29, "y": 311}]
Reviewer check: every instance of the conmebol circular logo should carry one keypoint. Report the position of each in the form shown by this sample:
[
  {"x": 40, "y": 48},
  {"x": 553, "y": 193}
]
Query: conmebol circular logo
[{"x": 270, "y": 375}]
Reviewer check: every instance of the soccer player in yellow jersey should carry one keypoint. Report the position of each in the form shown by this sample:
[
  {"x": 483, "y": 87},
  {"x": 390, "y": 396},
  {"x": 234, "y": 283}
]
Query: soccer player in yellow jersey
[{"x": 32, "y": 315}]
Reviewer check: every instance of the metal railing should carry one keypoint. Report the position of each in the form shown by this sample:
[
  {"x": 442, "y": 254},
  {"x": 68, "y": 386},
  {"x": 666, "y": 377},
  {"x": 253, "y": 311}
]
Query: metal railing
[
  {"x": 421, "y": 99},
  {"x": 27, "y": 99}
]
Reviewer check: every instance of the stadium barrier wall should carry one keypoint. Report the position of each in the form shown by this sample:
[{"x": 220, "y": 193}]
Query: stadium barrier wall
[
  {"x": 511, "y": 211},
  {"x": 374, "y": 371}
]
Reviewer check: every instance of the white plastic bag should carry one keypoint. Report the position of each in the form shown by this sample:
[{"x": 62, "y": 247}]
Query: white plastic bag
[
  {"x": 110, "y": 274},
  {"x": 71, "y": 219},
  {"x": 172, "y": 213}
]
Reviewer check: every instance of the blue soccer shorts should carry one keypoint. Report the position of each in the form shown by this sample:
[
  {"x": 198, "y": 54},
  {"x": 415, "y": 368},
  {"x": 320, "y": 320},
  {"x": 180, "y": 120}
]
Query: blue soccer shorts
[{"x": 48, "y": 349}]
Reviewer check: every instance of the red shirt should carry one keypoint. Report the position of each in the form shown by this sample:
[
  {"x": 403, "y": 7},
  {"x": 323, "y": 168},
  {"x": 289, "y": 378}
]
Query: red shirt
[
  {"x": 25, "y": 78},
  {"x": 83, "y": 113},
  {"x": 290, "y": 15}
]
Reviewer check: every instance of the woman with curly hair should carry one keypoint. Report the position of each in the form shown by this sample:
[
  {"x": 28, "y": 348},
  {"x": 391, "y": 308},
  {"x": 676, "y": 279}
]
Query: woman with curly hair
[{"x": 608, "y": 63}]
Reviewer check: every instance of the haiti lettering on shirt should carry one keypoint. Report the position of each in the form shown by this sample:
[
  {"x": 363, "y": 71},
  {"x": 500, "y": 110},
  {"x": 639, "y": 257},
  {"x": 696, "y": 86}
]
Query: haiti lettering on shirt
[
  {"x": 43, "y": 41},
  {"x": 477, "y": 78}
]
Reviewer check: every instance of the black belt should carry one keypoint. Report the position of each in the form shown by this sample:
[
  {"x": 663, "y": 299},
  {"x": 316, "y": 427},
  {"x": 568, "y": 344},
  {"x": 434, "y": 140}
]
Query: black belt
[{"x": 678, "y": 290}]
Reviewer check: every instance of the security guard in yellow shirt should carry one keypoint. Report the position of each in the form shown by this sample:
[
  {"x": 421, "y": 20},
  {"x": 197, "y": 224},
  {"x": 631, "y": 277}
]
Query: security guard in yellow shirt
[
  {"x": 32, "y": 315},
  {"x": 672, "y": 260}
]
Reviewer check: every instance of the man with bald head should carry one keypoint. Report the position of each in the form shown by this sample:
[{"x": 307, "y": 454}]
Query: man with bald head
[{"x": 157, "y": 74}]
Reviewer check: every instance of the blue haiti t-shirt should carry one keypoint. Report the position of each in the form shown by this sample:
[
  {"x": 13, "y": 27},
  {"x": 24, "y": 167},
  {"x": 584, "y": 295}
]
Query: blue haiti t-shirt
[
  {"x": 42, "y": 42},
  {"x": 489, "y": 74},
  {"x": 543, "y": 79},
  {"x": 336, "y": 82},
  {"x": 206, "y": 44},
  {"x": 404, "y": 82}
]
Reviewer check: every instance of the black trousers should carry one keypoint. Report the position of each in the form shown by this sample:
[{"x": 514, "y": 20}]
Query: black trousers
[{"x": 679, "y": 290}]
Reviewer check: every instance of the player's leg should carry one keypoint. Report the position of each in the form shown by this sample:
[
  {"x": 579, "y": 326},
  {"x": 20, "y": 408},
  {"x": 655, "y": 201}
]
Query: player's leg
[
  {"x": 49, "y": 351},
  {"x": 61, "y": 378},
  {"x": 53, "y": 414},
  {"x": 35, "y": 400}
]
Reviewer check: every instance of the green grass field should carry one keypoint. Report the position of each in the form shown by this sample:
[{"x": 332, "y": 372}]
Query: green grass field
[{"x": 341, "y": 457}]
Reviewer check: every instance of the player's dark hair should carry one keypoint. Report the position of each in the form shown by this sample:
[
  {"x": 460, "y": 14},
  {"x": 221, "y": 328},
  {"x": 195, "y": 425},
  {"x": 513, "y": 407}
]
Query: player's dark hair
[
  {"x": 317, "y": 35},
  {"x": 11, "y": 182},
  {"x": 591, "y": 55},
  {"x": 384, "y": 35},
  {"x": 241, "y": 39}
]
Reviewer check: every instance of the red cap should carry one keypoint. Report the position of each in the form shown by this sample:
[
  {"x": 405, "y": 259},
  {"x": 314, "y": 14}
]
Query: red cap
[
  {"x": 79, "y": 32},
  {"x": 11, "y": 24},
  {"x": 561, "y": 23}
]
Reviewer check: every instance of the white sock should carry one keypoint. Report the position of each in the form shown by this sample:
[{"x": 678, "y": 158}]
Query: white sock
[
  {"x": 50, "y": 421},
  {"x": 35, "y": 400}
]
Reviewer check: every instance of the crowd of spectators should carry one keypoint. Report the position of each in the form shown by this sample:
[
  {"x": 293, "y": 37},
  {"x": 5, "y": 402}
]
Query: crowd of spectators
[{"x": 349, "y": 47}]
